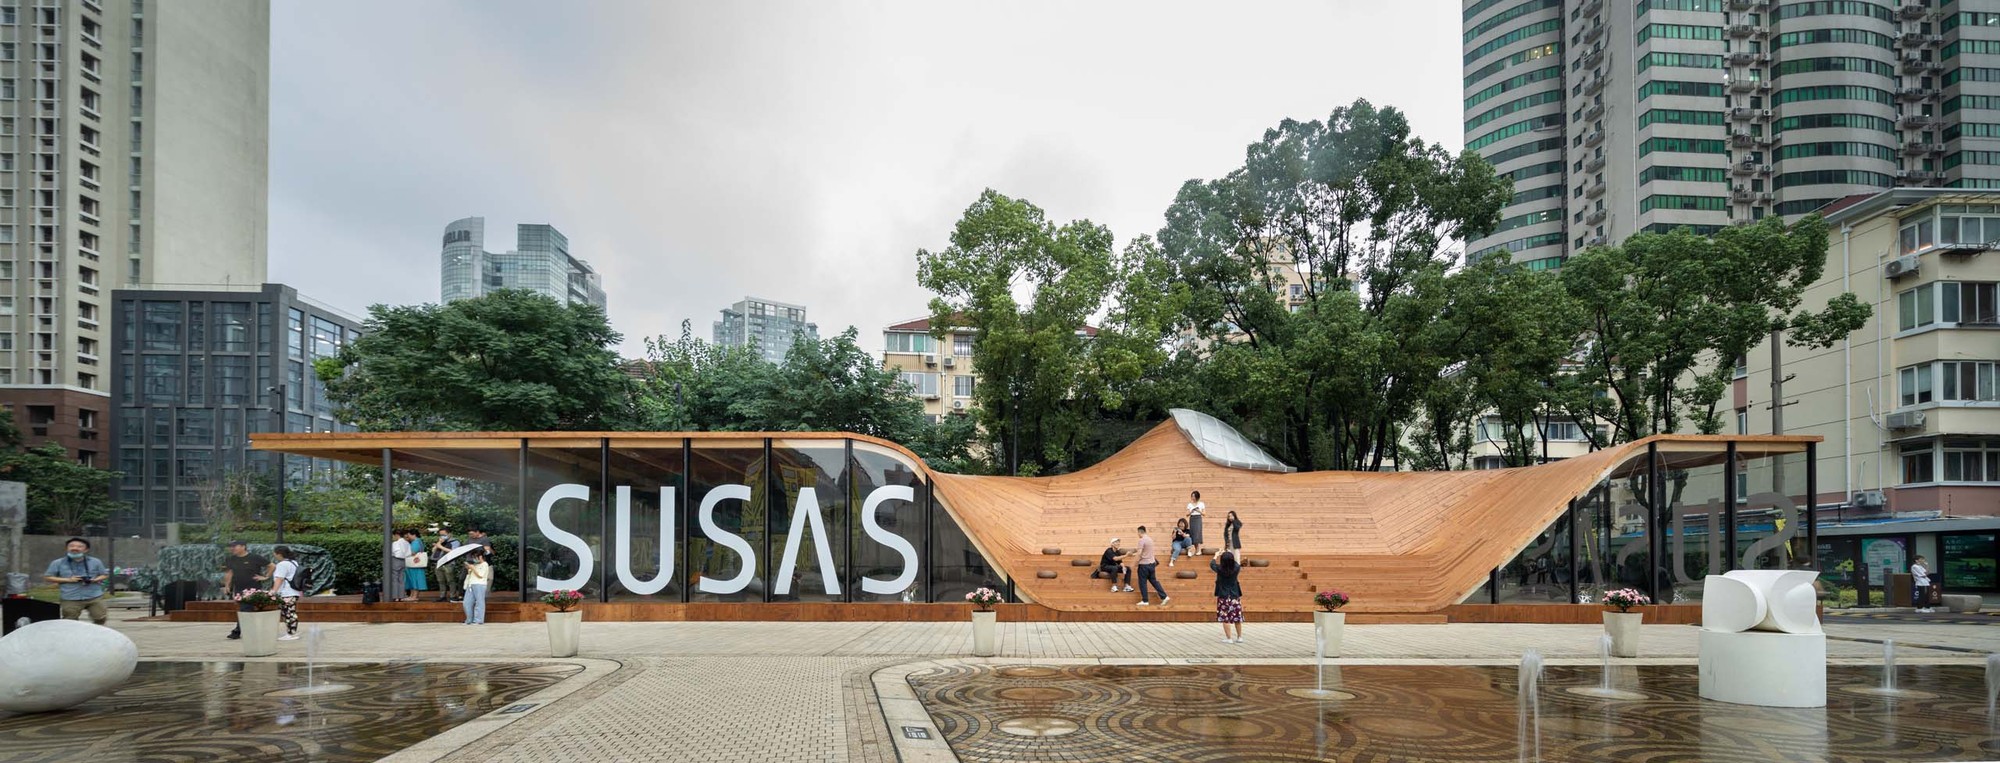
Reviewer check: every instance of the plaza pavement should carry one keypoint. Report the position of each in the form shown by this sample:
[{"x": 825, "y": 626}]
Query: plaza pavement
[{"x": 778, "y": 691}]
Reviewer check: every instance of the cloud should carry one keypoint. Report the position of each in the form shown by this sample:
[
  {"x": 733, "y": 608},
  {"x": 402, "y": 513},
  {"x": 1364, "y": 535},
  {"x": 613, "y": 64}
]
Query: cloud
[{"x": 800, "y": 151}]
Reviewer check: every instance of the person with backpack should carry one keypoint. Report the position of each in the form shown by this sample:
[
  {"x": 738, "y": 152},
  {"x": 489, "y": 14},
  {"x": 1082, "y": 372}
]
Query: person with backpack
[{"x": 286, "y": 581}]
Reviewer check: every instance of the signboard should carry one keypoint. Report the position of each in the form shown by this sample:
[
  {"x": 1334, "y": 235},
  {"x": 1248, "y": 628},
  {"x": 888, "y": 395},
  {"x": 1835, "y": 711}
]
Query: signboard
[
  {"x": 1969, "y": 561},
  {"x": 1884, "y": 556}
]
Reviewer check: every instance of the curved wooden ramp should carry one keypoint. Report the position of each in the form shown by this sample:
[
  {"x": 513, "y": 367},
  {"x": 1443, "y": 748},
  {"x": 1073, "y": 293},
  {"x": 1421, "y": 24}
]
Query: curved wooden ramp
[{"x": 1397, "y": 542}]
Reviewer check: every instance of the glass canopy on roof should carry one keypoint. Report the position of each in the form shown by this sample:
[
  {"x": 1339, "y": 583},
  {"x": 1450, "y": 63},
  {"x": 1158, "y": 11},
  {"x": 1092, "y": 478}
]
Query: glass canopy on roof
[{"x": 1222, "y": 444}]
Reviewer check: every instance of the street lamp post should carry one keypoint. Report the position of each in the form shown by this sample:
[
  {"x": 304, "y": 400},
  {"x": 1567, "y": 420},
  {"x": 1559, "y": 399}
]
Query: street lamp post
[{"x": 279, "y": 390}]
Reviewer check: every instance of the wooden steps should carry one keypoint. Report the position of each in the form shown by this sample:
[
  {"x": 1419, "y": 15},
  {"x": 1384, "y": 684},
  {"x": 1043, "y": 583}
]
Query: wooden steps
[{"x": 349, "y": 609}]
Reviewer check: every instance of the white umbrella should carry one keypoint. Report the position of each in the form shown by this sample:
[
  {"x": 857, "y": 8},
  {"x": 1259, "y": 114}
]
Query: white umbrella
[{"x": 458, "y": 552}]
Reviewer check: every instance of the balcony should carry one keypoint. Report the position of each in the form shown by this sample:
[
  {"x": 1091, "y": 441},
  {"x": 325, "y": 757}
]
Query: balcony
[
  {"x": 1593, "y": 58},
  {"x": 1742, "y": 139},
  {"x": 1594, "y": 138},
  {"x": 1595, "y": 111},
  {"x": 1917, "y": 147},
  {"x": 1595, "y": 86},
  {"x": 1744, "y": 31},
  {"x": 1913, "y": 11},
  {"x": 1742, "y": 58},
  {"x": 1591, "y": 7},
  {"x": 1743, "y": 168},
  {"x": 1595, "y": 190},
  {"x": 1596, "y": 163},
  {"x": 1916, "y": 120},
  {"x": 1917, "y": 93},
  {"x": 1740, "y": 193},
  {"x": 1742, "y": 114},
  {"x": 1918, "y": 39},
  {"x": 1742, "y": 84},
  {"x": 1911, "y": 65},
  {"x": 1594, "y": 33},
  {"x": 1596, "y": 216},
  {"x": 1919, "y": 176}
]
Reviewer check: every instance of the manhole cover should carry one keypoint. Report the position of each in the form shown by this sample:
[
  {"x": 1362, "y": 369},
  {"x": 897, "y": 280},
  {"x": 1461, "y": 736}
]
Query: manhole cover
[{"x": 1038, "y": 727}]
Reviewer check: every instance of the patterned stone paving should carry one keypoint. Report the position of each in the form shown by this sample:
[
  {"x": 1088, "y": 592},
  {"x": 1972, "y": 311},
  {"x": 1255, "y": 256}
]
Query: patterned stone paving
[
  {"x": 1432, "y": 713},
  {"x": 220, "y": 712}
]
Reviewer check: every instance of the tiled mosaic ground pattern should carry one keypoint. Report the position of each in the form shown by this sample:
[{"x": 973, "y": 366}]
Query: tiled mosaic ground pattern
[
  {"x": 1432, "y": 713},
  {"x": 221, "y": 712}
]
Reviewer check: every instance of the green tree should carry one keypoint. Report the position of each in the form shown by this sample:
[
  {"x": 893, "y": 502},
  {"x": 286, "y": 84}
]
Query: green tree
[
  {"x": 1666, "y": 316},
  {"x": 64, "y": 496},
  {"x": 509, "y": 361},
  {"x": 1364, "y": 216},
  {"x": 1038, "y": 386}
]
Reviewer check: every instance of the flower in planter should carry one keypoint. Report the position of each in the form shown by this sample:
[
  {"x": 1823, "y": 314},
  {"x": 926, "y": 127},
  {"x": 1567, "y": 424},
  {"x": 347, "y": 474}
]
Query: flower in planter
[
  {"x": 258, "y": 600},
  {"x": 563, "y": 601},
  {"x": 1625, "y": 599},
  {"x": 984, "y": 599},
  {"x": 1330, "y": 600}
]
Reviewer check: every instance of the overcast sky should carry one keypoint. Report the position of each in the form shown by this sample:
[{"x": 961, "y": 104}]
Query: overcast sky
[{"x": 796, "y": 151}]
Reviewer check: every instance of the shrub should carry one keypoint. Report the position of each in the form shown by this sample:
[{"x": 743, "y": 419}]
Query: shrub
[
  {"x": 202, "y": 563},
  {"x": 1330, "y": 600},
  {"x": 357, "y": 557}
]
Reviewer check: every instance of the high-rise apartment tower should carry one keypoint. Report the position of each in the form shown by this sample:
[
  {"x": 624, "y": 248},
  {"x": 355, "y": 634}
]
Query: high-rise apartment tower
[
  {"x": 1619, "y": 117},
  {"x": 540, "y": 263},
  {"x": 765, "y": 326},
  {"x": 133, "y": 145}
]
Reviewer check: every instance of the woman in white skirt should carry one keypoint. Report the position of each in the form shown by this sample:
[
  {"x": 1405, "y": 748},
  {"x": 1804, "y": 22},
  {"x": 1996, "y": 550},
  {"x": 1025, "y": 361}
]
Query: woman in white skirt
[{"x": 1194, "y": 510}]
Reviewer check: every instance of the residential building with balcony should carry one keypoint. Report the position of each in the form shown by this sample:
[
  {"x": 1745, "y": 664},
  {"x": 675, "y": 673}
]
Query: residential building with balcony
[
  {"x": 133, "y": 152},
  {"x": 936, "y": 367},
  {"x": 1619, "y": 117},
  {"x": 765, "y": 326}
]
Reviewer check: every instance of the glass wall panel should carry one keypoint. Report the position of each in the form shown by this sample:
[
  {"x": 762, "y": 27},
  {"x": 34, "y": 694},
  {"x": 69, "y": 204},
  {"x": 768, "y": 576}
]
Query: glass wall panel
[
  {"x": 1697, "y": 521},
  {"x": 1770, "y": 512},
  {"x": 957, "y": 567},
  {"x": 890, "y": 553},
  {"x": 1628, "y": 554},
  {"x": 567, "y": 479},
  {"x": 727, "y": 556},
  {"x": 810, "y": 519},
  {"x": 653, "y": 564},
  {"x": 1540, "y": 573}
]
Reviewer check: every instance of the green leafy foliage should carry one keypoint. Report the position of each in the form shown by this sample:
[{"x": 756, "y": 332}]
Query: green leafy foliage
[
  {"x": 202, "y": 563},
  {"x": 64, "y": 497},
  {"x": 509, "y": 361}
]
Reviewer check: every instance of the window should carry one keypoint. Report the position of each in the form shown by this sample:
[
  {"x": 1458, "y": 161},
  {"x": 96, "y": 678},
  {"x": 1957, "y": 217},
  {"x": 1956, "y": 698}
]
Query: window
[
  {"x": 1679, "y": 117},
  {"x": 1816, "y": 121},
  {"x": 1682, "y": 145},
  {"x": 161, "y": 380},
  {"x": 1562, "y": 431},
  {"x": 196, "y": 427},
  {"x": 1512, "y": 83},
  {"x": 1919, "y": 463},
  {"x": 1489, "y": 462},
  {"x": 921, "y": 384},
  {"x": 232, "y": 326},
  {"x": 1678, "y": 32},
  {"x": 1972, "y": 460},
  {"x": 1916, "y": 308},
  {"x": 162, "y": 326},
  {"x": 1491, "y": 430},
  {"x": 1915, "y": 384},
  {"x": 1742, "y": 421},
  {"x": 1967, "y": 381},
  {"x": 897, "y": 341},
  {"x": 961, "y": 386},
  {"x": 961, "y": 345},
  {"x": 1704, "y": 203},
  {"x": 1918, "y": 236},
  {"x": 1967, "y": 303},
  {"x": 232, "y": 379},
  {"x": 1501, "y": 42}
]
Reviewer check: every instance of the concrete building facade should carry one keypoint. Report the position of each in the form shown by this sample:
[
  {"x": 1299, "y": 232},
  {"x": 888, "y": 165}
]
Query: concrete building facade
[
  {"x": 540, "y": 262},
  {"x": 938, "y": 370},
  {"x": 133, "y": 152},
  {"x": 764, "y": 325},
  {"x": 1619, "y": 117},
  {"x": 197, "y": 372}
]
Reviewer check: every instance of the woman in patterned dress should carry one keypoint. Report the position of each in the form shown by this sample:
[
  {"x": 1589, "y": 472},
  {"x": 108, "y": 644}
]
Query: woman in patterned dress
[{"x": 1228, "y": 595}]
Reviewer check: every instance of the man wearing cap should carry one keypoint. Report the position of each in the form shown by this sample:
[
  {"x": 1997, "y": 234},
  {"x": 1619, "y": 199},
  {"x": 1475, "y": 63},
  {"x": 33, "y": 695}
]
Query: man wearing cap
[
  {"x": 1109, "y": 566},
  {"x": 242, "y": 571},
  {"x": 82, "y": 577}
]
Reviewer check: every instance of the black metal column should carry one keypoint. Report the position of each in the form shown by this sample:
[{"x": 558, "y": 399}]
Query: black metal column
[
  {"x": 924, "y": 548},
  {"x": 853, "y": 525},
  {"x": 389, "y": 563},
  {"x": 772, "y": 497},
  {"x": 683, "y": 502},
  {"x": 1569, "y": 521},
  {"x": 521, "y": 539},
  {"x": 1729, "y": 497},
  {"x": 1812, "y": 505},
  {"x": 605, "y": 548},
  {"x": 1493, "y": 586},
  {"x": 1655, "y": 528}
]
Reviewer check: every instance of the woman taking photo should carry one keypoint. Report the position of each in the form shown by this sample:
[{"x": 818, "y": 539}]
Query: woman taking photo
[
  {"x": 1228, "y": 595},
  {"x": 478, "y": 575}
]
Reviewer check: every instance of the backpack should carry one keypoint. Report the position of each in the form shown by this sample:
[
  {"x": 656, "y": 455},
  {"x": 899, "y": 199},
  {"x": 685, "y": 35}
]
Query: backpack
[{"x": 301, "y": 580}]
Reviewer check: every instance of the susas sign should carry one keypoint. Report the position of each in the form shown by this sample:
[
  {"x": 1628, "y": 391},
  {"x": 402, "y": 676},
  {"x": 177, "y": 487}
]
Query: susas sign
[{"x": 805, "y": 517}]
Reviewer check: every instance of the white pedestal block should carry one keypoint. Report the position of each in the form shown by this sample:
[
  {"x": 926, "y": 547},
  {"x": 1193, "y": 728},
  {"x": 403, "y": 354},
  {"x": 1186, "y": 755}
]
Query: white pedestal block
[
  {"x": 565, "y": 630},
  {"x": 1764, "y": 668}
]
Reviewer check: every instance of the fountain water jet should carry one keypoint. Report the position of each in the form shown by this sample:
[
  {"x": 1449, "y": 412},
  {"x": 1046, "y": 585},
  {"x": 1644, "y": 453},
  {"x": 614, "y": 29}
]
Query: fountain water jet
[
  {"x": 1992, "y": 685},
  {"x": 1888, "y": 685},
  {"x": 315, "y": 639},
  {"x": 1319, "y": 690},
  {"x": 1603, "y": 688},
  {"x": 1528, "y": 729}
]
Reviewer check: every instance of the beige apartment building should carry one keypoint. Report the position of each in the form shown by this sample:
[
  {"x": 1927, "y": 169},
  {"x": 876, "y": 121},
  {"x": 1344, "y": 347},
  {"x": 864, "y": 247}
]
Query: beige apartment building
[
  {"x": 938, "y": 370},
  {"x": 133, "y": 154}
]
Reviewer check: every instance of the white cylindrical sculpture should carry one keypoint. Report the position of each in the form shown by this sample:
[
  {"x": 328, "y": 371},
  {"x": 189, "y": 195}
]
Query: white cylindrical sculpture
[
  {"x": 56, "y": 664},
  {"x": 1761, "y": 642}
]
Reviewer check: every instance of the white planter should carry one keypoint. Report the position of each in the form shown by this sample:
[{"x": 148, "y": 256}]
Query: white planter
[
  {"x": 260, "y": 632},
  {"x": 985, "y": 639},
  {"x": 564, "y": 630},
  {"x": 1329, "y": 626},
  {"x": 1624, "y": 630}
]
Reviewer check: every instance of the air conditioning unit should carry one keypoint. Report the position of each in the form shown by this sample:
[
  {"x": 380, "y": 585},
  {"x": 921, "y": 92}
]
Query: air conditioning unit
[
  {"x": 930, "y": 360},
  {"x": 1901, "y": 266},
  {"x": 1870, "y": 499},
  {"x": 950, "y": 361},
  {"x": 958, "y": 404},
  {"x": 1907, "y": 420}
]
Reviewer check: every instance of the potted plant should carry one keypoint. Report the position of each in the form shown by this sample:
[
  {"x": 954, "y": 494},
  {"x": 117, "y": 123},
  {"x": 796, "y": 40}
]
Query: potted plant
[
  {"x": 565, "y": 623},
  {"x": 257, "y": 616},
  {"x": 1623, "y": 625},
  {"x": 984, "y": 638},
  {"x": 1329, "y": 620}
]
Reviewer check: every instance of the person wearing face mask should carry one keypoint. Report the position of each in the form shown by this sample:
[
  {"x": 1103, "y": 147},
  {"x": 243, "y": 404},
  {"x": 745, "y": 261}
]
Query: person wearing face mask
[{"x": 82, "y": 577}]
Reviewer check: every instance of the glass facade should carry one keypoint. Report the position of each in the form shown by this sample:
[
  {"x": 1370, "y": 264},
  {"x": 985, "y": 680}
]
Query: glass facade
[{"x": 803, "y": 519}]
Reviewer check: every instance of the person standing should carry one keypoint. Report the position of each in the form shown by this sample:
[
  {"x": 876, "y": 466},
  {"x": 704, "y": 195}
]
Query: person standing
[
  {"x": 1195, "y": 508},
  {"x": 1228, "y": 595},
  {"x": 478, "y": 575},
  {"x": 399, "y": 549},
  {"x": 1109, "y": 565},
  {"x": 1920, "y": 578},
  {"x": 82, "y": 579},
  {"x": 242, "y": 572},
  {"x": 415, "y": 581},
  {"x": 1149, "y": 567},
  {"x": 1232, "y": 534},
  {"x": 448, "y": 585},
  {"x": 282, "y": 575},
  {"x": 1181, "y": 541}
]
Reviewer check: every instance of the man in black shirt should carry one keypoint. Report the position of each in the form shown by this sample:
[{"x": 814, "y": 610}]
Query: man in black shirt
[
  {"x": 243, "y": 571},
  {"x": 1109, "y": 566}
]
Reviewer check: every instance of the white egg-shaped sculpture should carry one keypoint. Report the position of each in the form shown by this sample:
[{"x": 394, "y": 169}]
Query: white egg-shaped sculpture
[{"x": 56, "y": 664}]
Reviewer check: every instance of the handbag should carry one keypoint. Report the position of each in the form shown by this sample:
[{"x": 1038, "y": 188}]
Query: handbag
[{"x": 418, "y": 559}]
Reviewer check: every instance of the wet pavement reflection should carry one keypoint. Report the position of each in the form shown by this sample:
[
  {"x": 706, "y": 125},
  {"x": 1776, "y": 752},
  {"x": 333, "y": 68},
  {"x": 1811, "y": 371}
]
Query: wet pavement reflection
[
  {"x": 220, "y": 712},
  {"x": 1436, "y": 713}
]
